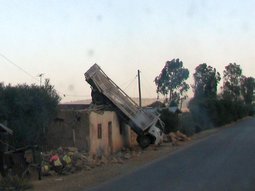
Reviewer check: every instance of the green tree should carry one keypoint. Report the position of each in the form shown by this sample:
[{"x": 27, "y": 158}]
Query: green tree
[
  {"x": 28, "y": 110},
  {"x": 248, "y": 89},
  {"x": 171, "y": 80},
  {"x": 206, "y": 81},
  {"x": 232, "y": 82}
]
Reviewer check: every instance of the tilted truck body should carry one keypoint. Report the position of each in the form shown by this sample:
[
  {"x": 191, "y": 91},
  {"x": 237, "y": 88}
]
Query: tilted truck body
[{"x": 147, "y": 125}]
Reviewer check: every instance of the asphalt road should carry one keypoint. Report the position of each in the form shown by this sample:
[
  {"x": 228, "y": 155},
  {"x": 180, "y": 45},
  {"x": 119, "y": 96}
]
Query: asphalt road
[{"x": 223, "y": 162}]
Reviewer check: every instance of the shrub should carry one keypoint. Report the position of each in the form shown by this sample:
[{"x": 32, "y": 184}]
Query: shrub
[
  {"x": 187, "y": 124},
  {"x": 216, "y": 112},
  {"x": 11, "y": 183},
  {"x": 170, "y": 119},
  {"x": 199, "y": 112},
  {"x": 28, "y": 110}
]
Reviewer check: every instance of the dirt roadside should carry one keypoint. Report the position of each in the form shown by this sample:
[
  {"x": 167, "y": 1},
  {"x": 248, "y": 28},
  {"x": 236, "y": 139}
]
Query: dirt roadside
[{"x": 84, "y": 179}]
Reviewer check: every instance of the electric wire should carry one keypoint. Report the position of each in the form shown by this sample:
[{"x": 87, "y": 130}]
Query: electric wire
[
  {"x": 17, "y": 66},
  {"x": 30, "y": 75},
  {"x": 132, "y": 81},
  {"x": 145, "y": 85}
]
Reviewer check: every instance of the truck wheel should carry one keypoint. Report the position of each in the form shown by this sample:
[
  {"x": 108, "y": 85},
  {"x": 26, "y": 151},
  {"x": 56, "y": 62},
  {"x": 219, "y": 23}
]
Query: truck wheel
[{"x": 144, "y": 141}]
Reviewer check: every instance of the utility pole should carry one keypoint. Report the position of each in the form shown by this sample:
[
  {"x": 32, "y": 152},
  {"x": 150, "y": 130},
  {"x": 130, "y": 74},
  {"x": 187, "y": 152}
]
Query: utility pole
[
  {"x": 40, "y": 76},
  {"x": 139, "y": 88}
]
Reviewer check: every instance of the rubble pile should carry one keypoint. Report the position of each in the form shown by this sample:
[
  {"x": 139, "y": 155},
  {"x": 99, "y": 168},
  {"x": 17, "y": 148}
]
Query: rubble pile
[
  {"x": 64, "y": 161},
  {"x": 176, "y": 137},
  {"x": 67, "y": 160}
]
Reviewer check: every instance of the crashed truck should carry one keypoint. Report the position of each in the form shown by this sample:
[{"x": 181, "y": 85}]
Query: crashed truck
[{"x": 147, "y": 126}]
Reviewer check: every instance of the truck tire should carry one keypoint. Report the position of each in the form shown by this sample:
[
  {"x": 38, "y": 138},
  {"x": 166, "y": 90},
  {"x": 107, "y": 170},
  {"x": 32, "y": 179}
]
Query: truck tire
[{"x": 144, "y": 141}]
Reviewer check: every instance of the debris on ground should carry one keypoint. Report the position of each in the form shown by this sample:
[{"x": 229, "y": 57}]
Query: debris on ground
[
  {"x": 64, "y": 161},
  {"x": 68, "y": 160},
  {"x": 176, "y": 137}
]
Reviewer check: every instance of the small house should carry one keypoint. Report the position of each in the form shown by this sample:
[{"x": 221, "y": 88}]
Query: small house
[{"x": 96, "y": 132}]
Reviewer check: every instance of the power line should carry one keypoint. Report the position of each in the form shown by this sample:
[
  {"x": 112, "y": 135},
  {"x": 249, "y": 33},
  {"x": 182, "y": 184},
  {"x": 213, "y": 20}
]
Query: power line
[
  {"x": 40, "y": 76},
  {"x": 145, "y": 83},
  {"x": 130, "y": 83},
  {"x": 17, "y": 66},
  {"x": 127, "y": 82},
  {"x": 24, "y": 71}
]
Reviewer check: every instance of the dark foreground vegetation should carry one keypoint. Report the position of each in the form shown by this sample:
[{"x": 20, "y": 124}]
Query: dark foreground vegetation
[{"x": 28, "y": 110}]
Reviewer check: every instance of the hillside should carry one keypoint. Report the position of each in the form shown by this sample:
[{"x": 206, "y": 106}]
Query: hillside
[{"x": 145, "y": 102}]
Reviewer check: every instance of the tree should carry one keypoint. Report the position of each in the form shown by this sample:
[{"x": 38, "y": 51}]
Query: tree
[
  {"x": 171, "y": 80},
  {"x": 248, "y": 89},
  {"x": 206, "y": 81},
  {"x": 232, "y": 82},
  {"x": 28, "y": 111}
]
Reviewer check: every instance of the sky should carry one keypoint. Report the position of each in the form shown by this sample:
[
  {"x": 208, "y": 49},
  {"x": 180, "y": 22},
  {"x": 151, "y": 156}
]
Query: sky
[{"x": 62, "y": 39}]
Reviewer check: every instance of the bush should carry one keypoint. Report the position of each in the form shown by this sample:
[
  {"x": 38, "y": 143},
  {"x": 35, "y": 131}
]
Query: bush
[
  {"x": 209, "y": 113},
  {"x": 252, "y": 110},
  {"x": 11, "y": 183},
  {"x": 187, "y": 124},
  {"x": 170, "y": 119},
  {"x": 199, "y": 112},
  {"x": 28, "y": 110}
]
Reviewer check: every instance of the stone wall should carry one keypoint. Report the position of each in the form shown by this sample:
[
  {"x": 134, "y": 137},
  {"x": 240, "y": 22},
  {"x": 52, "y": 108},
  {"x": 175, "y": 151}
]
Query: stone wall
[
  {"x": 81, "y": 129},
  {"x": 70, "y": 128}
]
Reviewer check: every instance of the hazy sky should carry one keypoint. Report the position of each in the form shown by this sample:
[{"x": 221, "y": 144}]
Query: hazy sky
[{"x": 63, "y": 38}]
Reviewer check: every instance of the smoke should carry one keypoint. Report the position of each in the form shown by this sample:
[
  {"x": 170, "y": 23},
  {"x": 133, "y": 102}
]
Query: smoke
[{"x": 200, "y": 115}]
